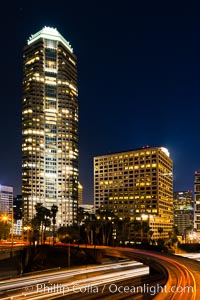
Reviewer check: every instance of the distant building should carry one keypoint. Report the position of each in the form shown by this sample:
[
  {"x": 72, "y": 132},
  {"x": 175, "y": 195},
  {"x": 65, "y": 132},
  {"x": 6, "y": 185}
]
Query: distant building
[
  {"x": 197, "y": 201},
  {"x": 50, "y": 126},
  {"x": 18, "y": 227},
  {"x": 137, "y": 184},
  {"x": 183, "y": 211},
  {"x": 80, "y": 194},
  {"x": 88, "y": 208},
  {"x": 17, "y": 207},
  {"x": 6, "y": 201}
]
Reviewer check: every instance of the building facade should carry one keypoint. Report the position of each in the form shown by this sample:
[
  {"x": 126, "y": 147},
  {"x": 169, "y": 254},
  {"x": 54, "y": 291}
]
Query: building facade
[
  {"x": 87, "y": 208},
  {"x": 50, "y": 126},
  {"x": 6, "y": 202},
  {"x": 183, "y": 211},
  {"x": 80, "y": 194},
  {"x": 17, "y": 230},
  {"x": 137, "y": 184},
  {"x": 197, "y": 202},
  {"x": 17, "y": 207}
]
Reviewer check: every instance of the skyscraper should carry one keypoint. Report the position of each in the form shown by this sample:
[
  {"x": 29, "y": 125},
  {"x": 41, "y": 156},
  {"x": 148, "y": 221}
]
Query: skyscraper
[
  {"x": 137, "y": 184},
  {"x": 50, "y": 126},
  {"x": 183, "y": 211}
]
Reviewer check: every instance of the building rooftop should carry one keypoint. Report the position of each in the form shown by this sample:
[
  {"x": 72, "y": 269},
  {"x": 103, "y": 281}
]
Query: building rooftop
[
  {"x": 163, "y": 149},
  {"x": 51, "y": 34}
]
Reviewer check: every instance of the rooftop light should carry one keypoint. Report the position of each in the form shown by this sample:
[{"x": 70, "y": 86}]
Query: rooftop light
[{"x": 51, "y": 34}]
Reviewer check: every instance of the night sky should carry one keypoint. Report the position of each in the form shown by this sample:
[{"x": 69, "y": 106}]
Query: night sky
[{"x": 139, "y": 80}]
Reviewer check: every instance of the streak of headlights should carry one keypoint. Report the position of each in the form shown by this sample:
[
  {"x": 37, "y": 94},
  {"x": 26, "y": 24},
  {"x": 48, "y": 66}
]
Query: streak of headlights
[{"x": 48, "y": 292}]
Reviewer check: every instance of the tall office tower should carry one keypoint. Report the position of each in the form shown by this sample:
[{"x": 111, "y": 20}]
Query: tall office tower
[
  {"x": 50, "y": 126},
  {"x": 197, "y": 202},
  {"x": 137, "y": 184},
  {"x": 183, "y": 211},
  {"x": 6, "y": 201}
]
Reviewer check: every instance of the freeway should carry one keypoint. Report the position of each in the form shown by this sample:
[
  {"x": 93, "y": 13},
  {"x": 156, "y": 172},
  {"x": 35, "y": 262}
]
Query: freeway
[
  {"x": 59, "y": 282},
  {"x": 182, "y": 274},
  {"x": 177, "y": 278},
  {"x": 119, "y": 290},
  {"x": 183, "y": 281},
  {"x": 195, "y": 256}
]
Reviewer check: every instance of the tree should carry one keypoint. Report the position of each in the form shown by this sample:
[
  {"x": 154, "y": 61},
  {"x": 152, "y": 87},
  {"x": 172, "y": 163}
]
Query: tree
[
  {"x": 54, "y": 210},
  {"x": 136, "y": 228},
  {"x": 151, "y": 232},
  {"x": 42, "y": 218},
  {"x": 35, "y": 224},
  {"x": 126, "y": 227},
  {"x": 144, "y": 229},
  {"x": 160, "y": 231},
  {"x": 80, "y": 218},
  {"x": 174, "y": 238},
  {"x": 175, "y": 229},
  {"x": 119, "y": 230},
  {"x": 90, "y": 226},
  {"x": 62, "y": 232},
  {"x": 80, "y": 214},
  {"x": 116, "y": 234},
  {"x": 105, "y": 220},
  {"x": 4, "y": 230},
  {"x": 68, "y": 234}
]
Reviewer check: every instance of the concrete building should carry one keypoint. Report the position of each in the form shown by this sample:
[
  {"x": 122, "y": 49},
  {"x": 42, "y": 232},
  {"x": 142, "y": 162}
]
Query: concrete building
[
  {"x": 17, "y": 231},
  {"x": 50, "y": 126},
  {"x": 183, "y": 211},
  {"x": 6, "y": 202},
  {"x": 137, "y": 184}
]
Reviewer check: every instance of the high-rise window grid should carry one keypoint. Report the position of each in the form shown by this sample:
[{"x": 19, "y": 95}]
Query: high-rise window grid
[
  {"x": 134, "y": 183},
  {"x": 50, "y": 126}
]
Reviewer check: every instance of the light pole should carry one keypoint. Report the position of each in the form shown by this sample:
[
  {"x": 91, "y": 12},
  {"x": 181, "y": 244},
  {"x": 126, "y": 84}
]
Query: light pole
[{"x": 12, "y": 230}]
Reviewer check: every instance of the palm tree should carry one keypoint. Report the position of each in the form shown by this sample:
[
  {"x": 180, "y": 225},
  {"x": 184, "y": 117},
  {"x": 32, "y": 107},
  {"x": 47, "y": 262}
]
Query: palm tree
[
  {"x": 151, "y": 232},
  {"x": 42, "y": 214},
  {"x": 80, "y": 217},
  {"x": 170, "y": 233},
  {"x": 35, "y": 224},
  {"x": 126, "y": 229},
  {"x": 144, "y": 229},
  {"x": 116, "y": 224},
  {"x": 105, "y": 218},
  {"x": 88, "y": 230},
  {"x": 54, "y": 210},
  {"x": 160, "y": 231},
  {"x": 136, "y": 228}
]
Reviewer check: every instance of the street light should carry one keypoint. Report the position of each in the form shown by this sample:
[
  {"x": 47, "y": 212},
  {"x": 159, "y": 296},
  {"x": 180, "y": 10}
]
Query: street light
[{"x": 5, "y": 218}]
